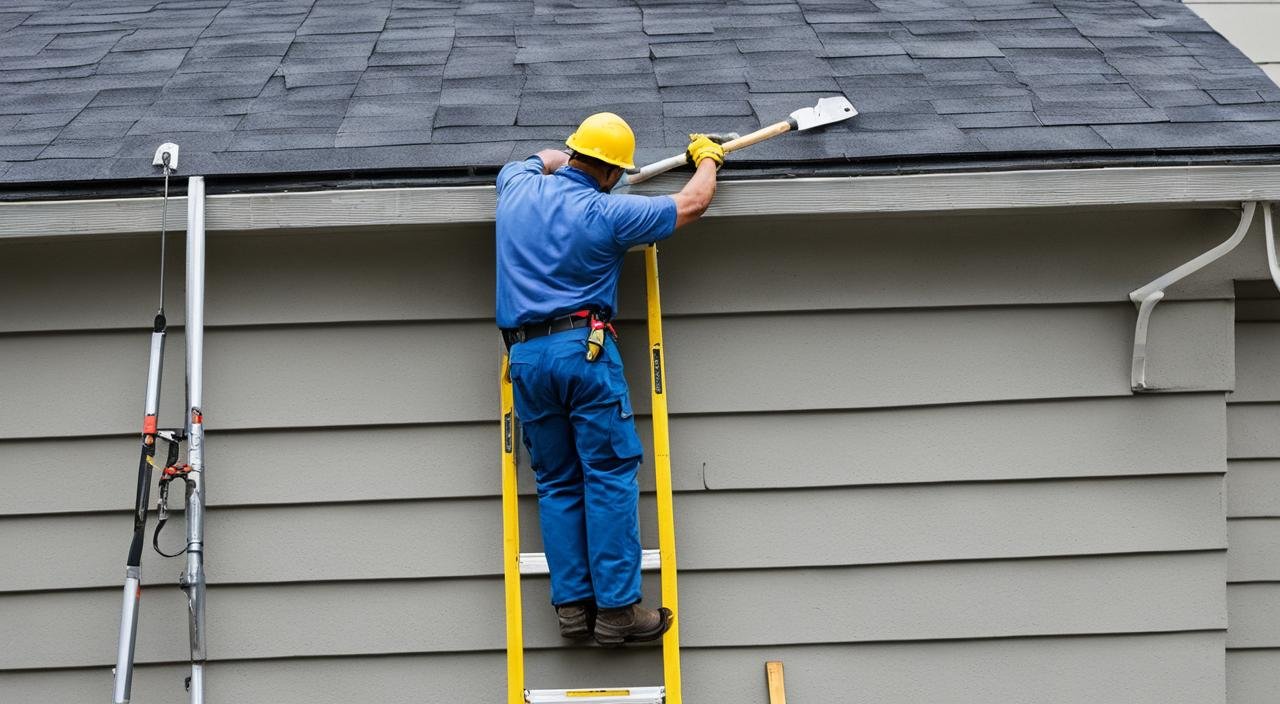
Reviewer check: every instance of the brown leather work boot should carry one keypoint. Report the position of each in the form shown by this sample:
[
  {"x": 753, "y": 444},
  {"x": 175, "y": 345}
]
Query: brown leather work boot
[
  {"x": 577, "y": 619},
  {"x": 631, "y": 624}
]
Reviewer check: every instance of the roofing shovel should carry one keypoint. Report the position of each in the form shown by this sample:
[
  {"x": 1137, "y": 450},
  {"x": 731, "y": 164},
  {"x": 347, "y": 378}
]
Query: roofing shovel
[{"x": 827, "y": 111}]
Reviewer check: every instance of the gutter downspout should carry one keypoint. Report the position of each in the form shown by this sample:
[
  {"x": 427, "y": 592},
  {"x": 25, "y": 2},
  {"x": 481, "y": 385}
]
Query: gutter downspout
[
  {"x": 1271, "y": 245},
  {"x": 1148, "y": 296}
]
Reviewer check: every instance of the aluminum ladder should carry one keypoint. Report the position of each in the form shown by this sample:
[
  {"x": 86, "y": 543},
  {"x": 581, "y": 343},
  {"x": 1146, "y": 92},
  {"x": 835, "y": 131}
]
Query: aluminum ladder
[{"x": 516, "y": 564}]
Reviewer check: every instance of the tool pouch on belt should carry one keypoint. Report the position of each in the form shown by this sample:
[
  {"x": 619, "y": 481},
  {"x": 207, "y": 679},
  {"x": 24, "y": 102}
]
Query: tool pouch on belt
[{"x": 595, "y": 338}]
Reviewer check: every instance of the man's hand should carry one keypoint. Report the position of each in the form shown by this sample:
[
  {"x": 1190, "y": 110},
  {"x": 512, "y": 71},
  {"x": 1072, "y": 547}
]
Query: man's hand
[
  {"x": 692, "y": 200},
  {"x": 702, "y": 147}
]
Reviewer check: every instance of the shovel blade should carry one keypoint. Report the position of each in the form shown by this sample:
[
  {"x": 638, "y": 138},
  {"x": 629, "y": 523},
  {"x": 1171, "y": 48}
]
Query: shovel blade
[{"x": 827, "y": 111}]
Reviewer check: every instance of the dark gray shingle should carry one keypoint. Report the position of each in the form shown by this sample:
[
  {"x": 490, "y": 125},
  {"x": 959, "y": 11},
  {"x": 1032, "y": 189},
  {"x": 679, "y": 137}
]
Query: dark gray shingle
[
  {"x": 1057, "y": 139},
  {"x": 247, "y": 87}
]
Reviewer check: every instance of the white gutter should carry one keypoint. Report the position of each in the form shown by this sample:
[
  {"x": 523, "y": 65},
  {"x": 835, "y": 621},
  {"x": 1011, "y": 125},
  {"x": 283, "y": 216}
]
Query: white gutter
[{"x": 1190, "y": 186}]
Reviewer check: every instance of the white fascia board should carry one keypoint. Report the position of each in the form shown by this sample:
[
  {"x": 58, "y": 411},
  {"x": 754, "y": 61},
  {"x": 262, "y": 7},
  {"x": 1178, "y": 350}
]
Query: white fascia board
[{"x": 995, "y": 190}]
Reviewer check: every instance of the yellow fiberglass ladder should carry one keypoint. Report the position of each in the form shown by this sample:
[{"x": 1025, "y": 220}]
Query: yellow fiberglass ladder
[{"x": 516, "y": 563}]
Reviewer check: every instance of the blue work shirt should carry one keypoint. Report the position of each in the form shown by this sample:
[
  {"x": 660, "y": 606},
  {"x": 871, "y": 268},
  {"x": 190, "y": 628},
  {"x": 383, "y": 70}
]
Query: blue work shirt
[{"x": 560, "y": 241}]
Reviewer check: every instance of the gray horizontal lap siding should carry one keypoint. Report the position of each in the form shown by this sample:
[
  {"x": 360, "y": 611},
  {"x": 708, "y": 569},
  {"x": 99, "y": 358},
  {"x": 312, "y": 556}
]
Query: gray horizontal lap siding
[
  {"x": 939, "y": 461},
  {"x": 440, "y": 372},
  {"x": 1253, "y": 502},
  {"x": 1153, "y": 435},
  {"x": 1144, "y": 593},
  {"x": 731, "y": 265},
  {"x": 720, "y": 530},
  {"x": 1176, "y": 668}
]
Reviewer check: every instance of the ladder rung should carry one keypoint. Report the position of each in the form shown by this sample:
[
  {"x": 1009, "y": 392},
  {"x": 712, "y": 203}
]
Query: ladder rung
[
  {"x": 536, "y": 562},
  {"x": 631, "y": 695}
]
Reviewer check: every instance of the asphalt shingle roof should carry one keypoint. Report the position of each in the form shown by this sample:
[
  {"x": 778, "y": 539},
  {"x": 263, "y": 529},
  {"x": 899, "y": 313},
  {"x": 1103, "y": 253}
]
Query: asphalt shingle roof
[{"x": 89, "y": 89}]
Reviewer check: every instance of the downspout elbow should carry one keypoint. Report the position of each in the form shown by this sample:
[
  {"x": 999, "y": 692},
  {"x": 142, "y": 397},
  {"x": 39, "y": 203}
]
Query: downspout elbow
[{"x": 1148, "y": 296}]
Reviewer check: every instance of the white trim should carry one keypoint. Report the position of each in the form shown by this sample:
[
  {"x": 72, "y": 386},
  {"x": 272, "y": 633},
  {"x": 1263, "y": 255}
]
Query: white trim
[
  {"x": 610, "y": 695},
  {"x": 1156, "y": 186},
  {"x": 536, "y": 562}
]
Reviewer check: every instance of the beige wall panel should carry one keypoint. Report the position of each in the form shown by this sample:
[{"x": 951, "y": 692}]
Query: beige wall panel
[
  {"x": 1254, "y": 615},
  {"x": 1251, "y": 430},
  {"x": 1128, "y": 435},
  {"x": 89, "y": 283},
  {"x": 730, "y": 265},
  {"x": 413, "y": 373},
  {"x": 923, "y": 601},
  {"x": 1253, "y": 676},
  {"x": 255, "y": 378},
  {"x": 1251, "y": 25},
  {"x": 445, "y": 460},
  {"x": 263, "y": 467},
  {"x": 935, "y": 357},
  {"x": 949, "y": 522},
  {"x": 730, "y": 530},
  {"x": 91, "y": 383},
  {"x": 1129, "y": 593},
  {"x": 1255, "y": 549},
  {"x": 1149, "y": 434},
  {"x": 1253, "y": 489},
  {"x": 441, "y": 272},
  {"x": 930, "y": 261},
  {"x": 1257, "y": 363},
  {"x": 100, "y": 474},
  {"x": 1179, "y": 668}
]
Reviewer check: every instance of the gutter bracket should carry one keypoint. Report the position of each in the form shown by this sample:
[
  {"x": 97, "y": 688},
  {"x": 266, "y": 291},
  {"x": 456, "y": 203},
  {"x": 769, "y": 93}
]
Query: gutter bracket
[{"x": 1148, "y": 296}]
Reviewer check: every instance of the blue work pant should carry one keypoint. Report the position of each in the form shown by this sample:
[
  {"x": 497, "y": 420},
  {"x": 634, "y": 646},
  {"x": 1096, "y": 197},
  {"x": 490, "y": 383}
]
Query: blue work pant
[{"x": 578, "y": 426}]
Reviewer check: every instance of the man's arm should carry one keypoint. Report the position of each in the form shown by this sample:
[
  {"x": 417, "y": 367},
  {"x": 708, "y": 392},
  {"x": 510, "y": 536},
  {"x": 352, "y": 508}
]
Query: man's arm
[
  {"x": 552, "y": 159},
  {"x": 694, "y": 199}
]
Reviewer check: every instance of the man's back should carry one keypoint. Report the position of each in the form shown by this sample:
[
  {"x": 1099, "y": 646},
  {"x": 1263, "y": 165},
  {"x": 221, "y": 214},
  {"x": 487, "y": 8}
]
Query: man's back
[{"x": 560, "y": 241}]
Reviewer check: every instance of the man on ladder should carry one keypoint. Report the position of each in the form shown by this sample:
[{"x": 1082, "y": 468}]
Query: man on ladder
[{"x": 561, "y": 239}]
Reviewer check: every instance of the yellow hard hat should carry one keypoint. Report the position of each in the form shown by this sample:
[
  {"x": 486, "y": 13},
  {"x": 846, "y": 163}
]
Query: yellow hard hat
[{"x": 606, "y": 137}]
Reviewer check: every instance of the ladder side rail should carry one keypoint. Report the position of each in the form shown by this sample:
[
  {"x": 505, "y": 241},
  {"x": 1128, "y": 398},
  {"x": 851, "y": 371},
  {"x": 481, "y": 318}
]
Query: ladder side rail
[
  {"x": 133, "y": 565},
  {"x": 511, "y": 541},
  {"x": 167, "y": 157},
  {"x": 662, "y": 469}
]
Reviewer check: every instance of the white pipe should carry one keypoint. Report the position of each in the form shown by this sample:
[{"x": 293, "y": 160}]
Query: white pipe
[
  {"x": 193, "y": 580},
  {"x": 1271, "y": 245},
  {"x": 1148, "y": 296}
]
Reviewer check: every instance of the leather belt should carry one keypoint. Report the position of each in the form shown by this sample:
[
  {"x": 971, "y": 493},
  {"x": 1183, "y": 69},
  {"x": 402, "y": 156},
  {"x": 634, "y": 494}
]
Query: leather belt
[{"x": 542, "y": 328}]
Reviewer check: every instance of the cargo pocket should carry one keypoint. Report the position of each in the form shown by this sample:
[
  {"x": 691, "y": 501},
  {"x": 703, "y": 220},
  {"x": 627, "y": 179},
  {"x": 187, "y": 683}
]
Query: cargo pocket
[{"x": 623, "y": 435}]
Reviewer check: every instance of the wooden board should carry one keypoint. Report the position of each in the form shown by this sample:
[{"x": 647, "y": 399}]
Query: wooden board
[{"x": 777, "y": 691}]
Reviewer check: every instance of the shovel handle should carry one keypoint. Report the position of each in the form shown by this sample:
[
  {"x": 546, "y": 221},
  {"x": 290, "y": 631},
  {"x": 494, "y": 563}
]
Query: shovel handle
[
  {"x": 758, "y": 136},
  {"x": 658, "y": 167},
  {"x": 746, "y": 140}
]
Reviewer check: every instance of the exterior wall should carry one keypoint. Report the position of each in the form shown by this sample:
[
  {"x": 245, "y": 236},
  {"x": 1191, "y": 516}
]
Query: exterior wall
[
  {"x": 908, "y": 464},
  {"x": 1249, "y": 24},
  {"x": 1253, "y": 501}
]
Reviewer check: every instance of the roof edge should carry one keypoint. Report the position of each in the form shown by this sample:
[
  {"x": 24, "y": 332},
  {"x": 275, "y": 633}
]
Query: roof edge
[
  {"x": 741, "y": 168},
  {"x": 828, "y": 195}
]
